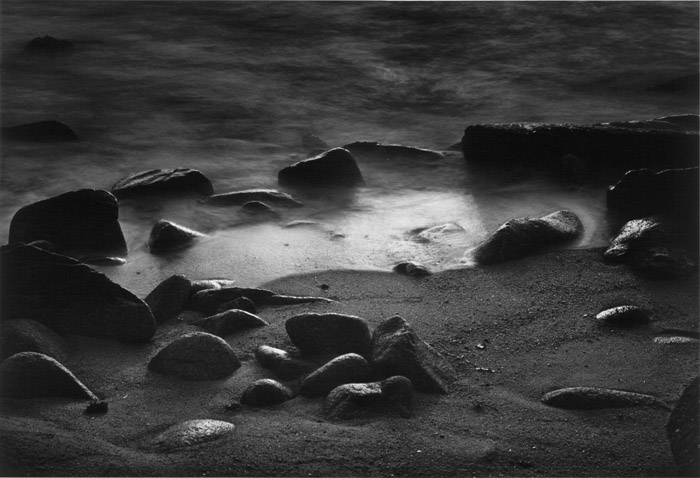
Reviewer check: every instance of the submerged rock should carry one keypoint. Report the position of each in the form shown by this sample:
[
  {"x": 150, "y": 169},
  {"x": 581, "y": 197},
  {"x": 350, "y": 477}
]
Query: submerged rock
[
  {"x": 25, "y": 335},
  {"x": 328, "y": 333},
  {"x": 40, "y": 132},
  {"x": 397, "y": 350},
  {"x": 683, "y": 430},
  {"x": 208, "y": 301},
  {"x": 411, "y": 269},
  {"x": 163, "y": 181},
  {"x": 241, "y": 303},
  {"x": 83, "y": 221},
  {"x": 167, "y": 236},
  {"x": 48, "y": 45},
  {"x": 31, "y": 375},
  {"x": 266, "y": 392},
  {"x": 169, "y": 297},
  {"x": 394, "y": 393},
  {"x": 281, "y": 363},
  {"x": 238, "y": 198},
  {"x": 348, "y": 368},
  {"x": 189, "y": 433},
  {"x": 229, "y": 322},
  {"x": 70, "y": 297},
  {"x": 196, "y": 356},
  {"x": 592, "y": 397},
  {"x": 335, "y": 167},
  {"x": 623, "y": 315},
  {"x": 257, "y": 208},
  {"x": 520, "y": 237},
  {"x": 389, "y": 152}
]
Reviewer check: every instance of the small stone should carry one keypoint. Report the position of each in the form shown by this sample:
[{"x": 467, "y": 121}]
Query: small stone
[
  {"x": 585, "y": 398},
  {"x": 270, "y": 196},
  {"x": 230, "y": 321},
  {"x": 189, "y": 433},
  {"x": 281, "y": 363},
  {"x": 206, "y": 284},
  {"x": 169, "y": 297},
  {"x": 242, "y": 303},
  {"x": 168, "y": 236},
  {"x": 348, "y": 368},
  {"x": 266, "y": 392},
  {"x": 412, "y": 269},
  {"x": 335, "y": 167},
  {"x": 395, "y": 393},
  {"x": 624, "y": 315},
  {"x": 196, "y": 356}
]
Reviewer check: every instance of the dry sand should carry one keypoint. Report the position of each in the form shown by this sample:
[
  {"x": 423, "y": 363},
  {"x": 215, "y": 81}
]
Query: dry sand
[{"x": 513, "y": 332}]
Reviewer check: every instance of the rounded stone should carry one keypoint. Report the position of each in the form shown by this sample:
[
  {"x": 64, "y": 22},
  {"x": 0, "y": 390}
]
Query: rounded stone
[
  {"x": 328, "y": 333},
  {"x": 26, "y": 335},
  {"x": 266, "y": 392},
  {"x": 196, "y": 356},
  {"x": 169, "y": 297},
  {"x": 348, "y": 368},
  {"x": 168, "y": 236},
  {"x": 230, "y": 321}
]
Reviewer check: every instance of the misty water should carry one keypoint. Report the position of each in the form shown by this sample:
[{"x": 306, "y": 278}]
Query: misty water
[{"x": 232, "y": 88}]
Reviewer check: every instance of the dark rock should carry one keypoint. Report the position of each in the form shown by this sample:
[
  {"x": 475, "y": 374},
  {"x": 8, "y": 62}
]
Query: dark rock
[
  {"x": 242, "y": 303},
  {"x": 168, "y": 236},
  {"x": 685, "y": 85},
  {"x": 684, "y": 432},
  {"x": 281, "y": 363},
  {"x": 411, "y": 269},
  {"x": 70, "y": 297},
  {"x": 348, "y": 368},
  {"x": 586, "y": 398},
  {"x": 97, "y": 407},
  {"x": 169, "y": 297},
  {"x": 623, "y": 315},
  {"x": 335, "y": 167},
  {"x": 196, "y": 356},
  {"x": 208, "y": 301},
  {"x": 257, "y": 208},
  {"x": 48, "y": 45},
  {"x": 40, "y": 132},
  {"x": 397, "y": 350},
  {"x": 31, "y": 374},
  {"x": 84, "y": 221},
  {"x": 344, "y": 401},
  {"x": 520, "y": 237},
  {"x": 328, "y": 333},
  {"x": 163, "y": 181},
  {"x": 229, "y": 322},
  {"x": 391, "y": 152},
  {"x": 189, "y": 433},
  {"x": 24, "y": 335},
  {"x": 205, "y": 284},
  {"x": 271, "y": 196},
  {"x": 266, "y": 392}
]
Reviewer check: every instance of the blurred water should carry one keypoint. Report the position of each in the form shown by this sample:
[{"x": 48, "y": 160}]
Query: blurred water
[{"x": 230, "y": 88}]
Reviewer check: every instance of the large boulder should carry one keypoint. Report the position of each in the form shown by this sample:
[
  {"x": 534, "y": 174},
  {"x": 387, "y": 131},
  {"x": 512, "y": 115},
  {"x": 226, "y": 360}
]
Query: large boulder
[
  {"x": 328, "y": 333},
  {"x": 335, "y": 167},
  {"x": 25, "y": 335},
  {"x": 520, "y": 237},
  {"x": 683, "y": 430},
  {"x": 31, "y": 374},
  {"x": 348, "y": 368},
  {"x": 70, "y": 297},
  {"x": 266, "y": 392},
  {"x": 196, "y": 356},
  {"x": 397, "y": 350},
  {"x": 169, "y": 297},
  {"x": 394, "y": 393},
  {"x": 42, "y": 131},
  {"x": 281, "y": 363},
  {"x": 229, "y": 322},
  {"x": 237, "y": 198},
  {"x": 167, "y": 236},
  {"x": 83, "y": 222},
  {"x": 163, "y": 181}
]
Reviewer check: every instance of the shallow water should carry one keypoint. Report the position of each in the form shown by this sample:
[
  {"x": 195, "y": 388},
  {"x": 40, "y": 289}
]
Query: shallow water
[{"x": 230, "y": 88}]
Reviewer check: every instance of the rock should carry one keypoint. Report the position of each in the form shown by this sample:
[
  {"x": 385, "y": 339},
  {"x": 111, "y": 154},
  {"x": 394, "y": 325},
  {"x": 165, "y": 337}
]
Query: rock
[
  {"x": 684, "y": 432},
  {"x": 520, "y": 237},
  {"x": 167, "y": 236},
  {"x": 257, "y": 208},
  {"x": 266, "y": 392},
  {"x": 390, "y": 152},
  {"x": 208, "y": 301},
  {"x": 169, "y": 297},
  {"x": 189, "y": 433},
  {"x": 397, "y": 350},
  {"x": 230, "y": 321},
  {"x": 348, "y": 368},
  {"x": 281, "y": 363},
  {"x": 586, "y": 398},
  {"x": 271, "y": 196},
  {"x": 440, "y": 233},
  {"x": 335, "y": 167},
  {"x": 395, "y": 392},
  {"x": 70, "y": 297},
  {"x": 311, "y": 142},
  {"x": 40, "y": 132},
  {"x": 196, "y": 356},
  {"x": 31, "y": 375},
  {"x": 97, "y": 407},
  {"x": 671, "y": 192},
  {"x": 102, "y": 261},
  {"x": 242, "y": 303},
  {"x": 676, "y": 339},
  {"x": 84, "y": 221},
  {"x": 25, "y": 335},
  {"x": 328, "y": 333},
  {"x": 205, "y": 284},
  {"x": 411, "y": 269},
  {"x": 623, "y": 315},
  {"x": 48, "y": 45},
  {"x": 163, "y": 181}
]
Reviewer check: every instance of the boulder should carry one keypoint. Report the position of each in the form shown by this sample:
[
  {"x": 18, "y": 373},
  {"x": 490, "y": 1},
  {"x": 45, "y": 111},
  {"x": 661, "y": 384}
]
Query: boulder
[
  {"x": 397, "y": 350},
  {"x": 25, "y": 335},
  {"x": 348, "y": 368},
  {"x": 335, "y": 167},
  {"x": 242, "y": 303},
  {"x": 31, "y": 375},
  {"x": 391, "y": 152},
  {"x": 624, "y": 315},
  {"x": 40, "y": 132},
  {"x": 328, "y": 333},
  {"x": 229, "y": 322},
  {"x": 208, "y": 301},
  {"x": 520, "y": 237},
  {"x": 84, "y": 222},
  {"x": 684, "y": 432},
  {"x": 394, "y": 393},
  {"x": 169, "y": 297},
  {"x": 266, "y": 392},
  {"x": 281, "y": 363},
  {"x": 167, "y": 236},
  {"x": 163, "y": 181},
  {"x": 48, "y": 45},
  {"x": 189, "y": 433},
  {"x": 70, "y": 297},
  {"x": 237, "y": 198},
  {"x": 411, "y": 269},
  {"x": 196, "y": 356}
]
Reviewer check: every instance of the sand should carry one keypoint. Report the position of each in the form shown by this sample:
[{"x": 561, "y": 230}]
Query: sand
[{"x": 512, "y": 332}]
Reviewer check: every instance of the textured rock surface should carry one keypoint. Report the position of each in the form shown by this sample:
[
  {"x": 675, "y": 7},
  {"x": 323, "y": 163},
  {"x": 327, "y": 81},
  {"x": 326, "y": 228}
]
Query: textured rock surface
[
  {"x": 196, "y": 356},
  {"x": 271, "y": 196},
  {"x": 592, "y": 398},
  {"x": 31, "y": 374},
  {"x": 623, "y": 315},
  {"x": 168, "y": 236},
  {"x": 70, "y": 297},
  {"x": 281, "y": 363},
  {"x": 266, "y": 392},
  {"x": 163, "y": 181},
  {"x": 169, "y": 297},
  {"x": 25, "y": 335},
  {"x": 411, "y": 269},
  {"x": 335, "y": 167},
  {"x": 328, "y": 333},
  {"x": 84, "y": 221},
  {"x": 229, "y": 322},
  {"x": 394, "y": 393},
  {"x": 189, "y": 433},
  {"x": 348, "y": 368},
  {"x": 241, "y": 303},
  {"x": 683, "y": 430}
]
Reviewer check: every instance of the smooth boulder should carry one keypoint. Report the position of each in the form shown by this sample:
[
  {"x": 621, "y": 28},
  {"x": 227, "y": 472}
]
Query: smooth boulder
[
  {"x": 25, "y": 335},
  {"x": 229, "y": 322},
  {"x": 335, "y": 167},
  {"x": 163, "y": 181},
  {"x": 196, "y": 356},
  {"x": 70, "y": 297},
  {"x": 266, "y": 392},
  {"x": 169, "y": 297},
  {"x": 683, "y": 430},
  {"x": 331, "y": 333},
  {"x": 167, "y": 236},
  {"x": 348, "y": 368},
  {"x": 237, "y": 198}
]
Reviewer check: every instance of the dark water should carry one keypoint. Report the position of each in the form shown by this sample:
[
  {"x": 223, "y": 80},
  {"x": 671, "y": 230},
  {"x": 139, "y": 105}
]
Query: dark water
[{"x": 230, "y": 88}]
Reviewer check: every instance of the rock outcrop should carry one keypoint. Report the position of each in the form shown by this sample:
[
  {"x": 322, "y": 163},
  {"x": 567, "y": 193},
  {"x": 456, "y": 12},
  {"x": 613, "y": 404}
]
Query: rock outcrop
[
  {"x": 163, "y": 181},
  {"x": 335, "y": 167}
]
